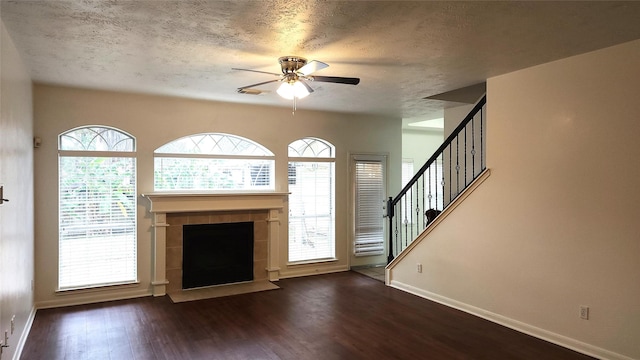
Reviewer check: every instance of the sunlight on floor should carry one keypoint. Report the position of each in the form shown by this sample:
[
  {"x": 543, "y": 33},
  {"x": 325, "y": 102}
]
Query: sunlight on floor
[{"x": 375, "y": 272}]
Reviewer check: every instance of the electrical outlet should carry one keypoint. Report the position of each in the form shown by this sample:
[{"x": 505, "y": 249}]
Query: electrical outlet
[
  {"x": 419, "y": 268},
  {"x": 584, "y": 312}
]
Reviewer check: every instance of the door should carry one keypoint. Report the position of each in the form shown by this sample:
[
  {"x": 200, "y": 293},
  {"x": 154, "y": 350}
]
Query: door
[{"x": 368, "y": 180}]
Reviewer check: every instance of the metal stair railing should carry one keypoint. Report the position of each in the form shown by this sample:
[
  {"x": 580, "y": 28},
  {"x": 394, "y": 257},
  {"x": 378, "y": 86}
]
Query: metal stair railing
[{"x": 451, "y": 168}]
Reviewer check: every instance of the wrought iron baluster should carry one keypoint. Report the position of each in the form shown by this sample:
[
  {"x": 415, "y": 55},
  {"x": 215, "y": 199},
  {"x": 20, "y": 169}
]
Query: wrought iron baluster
[
  {"x": 473, "y": 147},
  {"x": 450, "y": 182},
  {"x": 406, "y": 221},
  {"x": 423, "y": 203},
  {"x": 457, "y": 165},
  {"x": 409, "y": 214},
  {"x": 482, "y": 160},
  {"x": 398, "y": 237},
  {"x": 436, "y": 187},
  {"x": 431, "y": 187},
  {"x": 465, "y": 154},
  {"x": 415, "y": 224}
]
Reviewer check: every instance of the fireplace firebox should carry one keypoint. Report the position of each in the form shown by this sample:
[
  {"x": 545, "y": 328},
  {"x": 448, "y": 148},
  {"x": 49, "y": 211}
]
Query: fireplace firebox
[{"x": 216, "y": 254}]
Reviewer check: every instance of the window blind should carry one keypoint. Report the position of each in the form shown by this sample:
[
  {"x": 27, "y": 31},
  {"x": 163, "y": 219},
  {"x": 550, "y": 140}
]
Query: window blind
[
  {"x": 97, "y": 242},
  {"x": 180, "y": 173},
  {"x": 311, "y": 215},
  {"x": 213, "y": 161},
  {"x": 369, "y": 198},
  {"x": 407, "y": 171},
  {"x": 407, "y": 174},
  {"x": 312, "y": 200},
  {"x": 97, "y": 221}
]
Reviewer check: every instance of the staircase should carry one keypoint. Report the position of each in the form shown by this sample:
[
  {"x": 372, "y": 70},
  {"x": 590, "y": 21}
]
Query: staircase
[{"x": 450, "y": 170}]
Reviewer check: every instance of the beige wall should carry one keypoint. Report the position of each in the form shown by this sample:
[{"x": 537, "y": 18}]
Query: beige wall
[
  {"x": 419, "y": 145},
  {"x": 454, "y": 116},
  {"x": 16, "y": 216},
  {"x": 156, "y": 120},
  {"x": 555, "y": 226}
]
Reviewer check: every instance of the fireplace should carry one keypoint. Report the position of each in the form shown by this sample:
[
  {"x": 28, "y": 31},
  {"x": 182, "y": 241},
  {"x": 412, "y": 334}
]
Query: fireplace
[
  {"x": 172, "y": 212},
  {"x": 180, "y": 222},
  {"x": 215, "y": 254}
]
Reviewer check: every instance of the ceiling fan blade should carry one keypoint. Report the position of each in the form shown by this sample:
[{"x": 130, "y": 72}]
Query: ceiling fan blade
[
  {"x": 258, "y": 84},
  {"x": 257, "y": 71},
  {"x": 250, "y": 91},
  {"x": 309, "y": 89},
  {"x": 336, "y": 79},
  {"x": 311, "y": 67}
]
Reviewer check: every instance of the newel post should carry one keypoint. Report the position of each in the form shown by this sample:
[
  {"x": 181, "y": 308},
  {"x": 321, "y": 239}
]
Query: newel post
[{"x": 390, "y": 217}]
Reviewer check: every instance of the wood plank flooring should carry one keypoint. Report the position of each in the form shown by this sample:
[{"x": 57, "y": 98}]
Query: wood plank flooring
[{"x": 337, "y": 316}]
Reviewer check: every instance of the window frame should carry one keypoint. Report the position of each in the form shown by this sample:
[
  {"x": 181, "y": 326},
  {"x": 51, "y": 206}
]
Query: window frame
[
  {"x": 128, "y": 254},
  {"x": 212, "y": 156},
  {"x": 325, "y": 155}
]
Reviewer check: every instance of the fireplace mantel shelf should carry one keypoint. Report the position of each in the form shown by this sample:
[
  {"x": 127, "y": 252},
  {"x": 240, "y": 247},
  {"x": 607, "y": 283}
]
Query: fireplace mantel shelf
[{"x": 228, "y": 201}]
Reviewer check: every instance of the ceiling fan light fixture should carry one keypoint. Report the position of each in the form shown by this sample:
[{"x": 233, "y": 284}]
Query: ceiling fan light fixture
[
  {"x": 286, "y": 91},
  {"x": 292, "y": 89},
  {"x": 299, "y": 90},
  {"x": 295, "y": 72}
]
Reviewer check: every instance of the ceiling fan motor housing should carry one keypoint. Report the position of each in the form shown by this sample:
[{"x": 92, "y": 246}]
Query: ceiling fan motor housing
[{"x": 291, "y": 64}]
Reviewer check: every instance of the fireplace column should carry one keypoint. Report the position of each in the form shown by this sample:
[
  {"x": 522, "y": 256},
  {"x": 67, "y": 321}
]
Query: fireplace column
[
  {"x": 273, "y": 270},
  {"x": 158, "y": 257}
]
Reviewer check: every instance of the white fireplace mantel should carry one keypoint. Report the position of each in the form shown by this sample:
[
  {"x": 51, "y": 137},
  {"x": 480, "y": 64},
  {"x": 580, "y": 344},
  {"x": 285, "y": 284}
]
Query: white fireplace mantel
[
  {"x": 163, "y": 203},
  {"x": 193, "y": 202}
]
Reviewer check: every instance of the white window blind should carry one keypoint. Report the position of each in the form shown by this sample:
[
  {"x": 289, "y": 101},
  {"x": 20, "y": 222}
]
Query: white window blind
[
  {"x": 407, "y": 174},
  {"x": 213, "y": 162},
  {"x": 434, "y": 178},
  {"x": 312, "y": 200},
  {"x": 407, "y": 171},
  {"x": 369, "y": 199},
  {"x": 97, "y": 220}
]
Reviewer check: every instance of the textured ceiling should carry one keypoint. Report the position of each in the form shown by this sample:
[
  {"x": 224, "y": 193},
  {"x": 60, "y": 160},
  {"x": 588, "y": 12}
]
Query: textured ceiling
[{"x": 403, "y": 51}]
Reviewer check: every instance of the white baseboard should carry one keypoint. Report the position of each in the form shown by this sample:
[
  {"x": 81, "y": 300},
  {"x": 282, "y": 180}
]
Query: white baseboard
[
  {"x": 312, "y": 270},
  {"x": 90, "y": 298},
  {"x": 25, "y": 333},
  {"x": 519, "y": 326}
]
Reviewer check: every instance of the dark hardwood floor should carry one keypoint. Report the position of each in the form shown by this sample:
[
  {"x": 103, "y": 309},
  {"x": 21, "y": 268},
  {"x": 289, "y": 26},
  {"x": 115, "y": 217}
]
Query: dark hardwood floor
[{"x": 338, "y": 316}]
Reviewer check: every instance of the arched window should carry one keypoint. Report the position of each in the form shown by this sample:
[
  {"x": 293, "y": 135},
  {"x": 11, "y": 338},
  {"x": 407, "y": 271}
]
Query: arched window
[
  {"x": 213, "y": 161},
  {"x": 97, "y": 208},
  {"x": 312, "y": 200}
]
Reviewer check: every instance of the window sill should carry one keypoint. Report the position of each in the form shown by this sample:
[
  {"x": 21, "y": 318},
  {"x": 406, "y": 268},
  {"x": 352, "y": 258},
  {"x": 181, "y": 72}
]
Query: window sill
[
  {"x": 96, "y": 288},
  {"x": 314, "y": 261}
]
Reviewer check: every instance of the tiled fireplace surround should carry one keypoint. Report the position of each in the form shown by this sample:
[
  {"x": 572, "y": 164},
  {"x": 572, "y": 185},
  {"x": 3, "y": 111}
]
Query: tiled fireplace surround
[{"x": 171, "y": 211}]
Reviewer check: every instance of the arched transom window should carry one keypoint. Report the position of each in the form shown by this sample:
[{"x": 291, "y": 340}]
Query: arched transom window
[
  {"x": 97, "y": 208},
  {"x": 213, "y": 161},
  {"x": 312, "y": 200}
]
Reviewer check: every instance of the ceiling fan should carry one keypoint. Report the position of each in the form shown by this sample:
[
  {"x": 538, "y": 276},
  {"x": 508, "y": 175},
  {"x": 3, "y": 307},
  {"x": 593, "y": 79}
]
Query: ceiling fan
[{"x": 296, "y": 71}]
